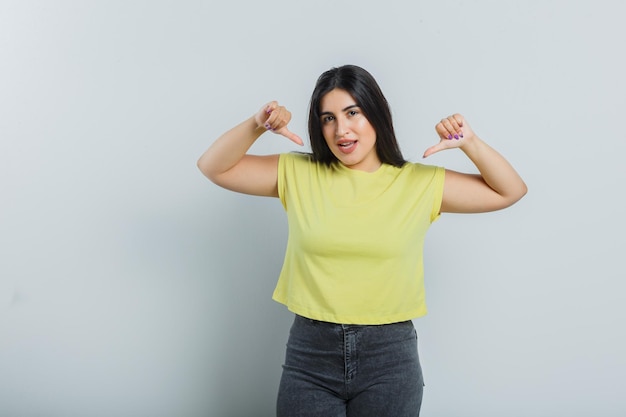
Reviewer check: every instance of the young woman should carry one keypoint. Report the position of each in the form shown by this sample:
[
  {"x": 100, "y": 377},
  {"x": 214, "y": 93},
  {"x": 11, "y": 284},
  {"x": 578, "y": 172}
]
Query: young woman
[{"x": 358, "y": 213}]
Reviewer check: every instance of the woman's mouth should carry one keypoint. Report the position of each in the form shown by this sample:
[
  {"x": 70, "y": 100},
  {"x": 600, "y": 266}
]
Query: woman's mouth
[{"x": 347, "y": 146}]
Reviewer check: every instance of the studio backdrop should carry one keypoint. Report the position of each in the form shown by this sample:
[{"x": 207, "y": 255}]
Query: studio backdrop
[{"x": 131, "y": 286}]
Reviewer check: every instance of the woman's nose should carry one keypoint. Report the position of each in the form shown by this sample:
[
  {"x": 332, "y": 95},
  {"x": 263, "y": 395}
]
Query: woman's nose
[{"x": 341, "y": 128}]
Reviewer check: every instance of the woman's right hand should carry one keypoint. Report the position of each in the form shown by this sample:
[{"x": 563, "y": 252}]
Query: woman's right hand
[{"x": 275, "y": 118}]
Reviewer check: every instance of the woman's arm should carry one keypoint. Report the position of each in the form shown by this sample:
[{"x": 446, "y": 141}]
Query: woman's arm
[
  {"x": 227, "y": 164},
  {"x": 498, "y": 185}
]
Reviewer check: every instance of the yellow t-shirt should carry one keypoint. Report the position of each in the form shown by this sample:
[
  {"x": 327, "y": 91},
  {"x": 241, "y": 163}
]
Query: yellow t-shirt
[{"x": 355, "y": 248}]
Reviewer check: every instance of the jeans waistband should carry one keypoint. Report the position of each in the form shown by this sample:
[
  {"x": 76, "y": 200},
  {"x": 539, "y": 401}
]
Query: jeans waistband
[{"x": 350, "y": 325}]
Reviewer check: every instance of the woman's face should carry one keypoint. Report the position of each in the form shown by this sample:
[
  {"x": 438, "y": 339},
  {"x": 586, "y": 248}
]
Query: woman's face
[{"x": 348, "y": 133}]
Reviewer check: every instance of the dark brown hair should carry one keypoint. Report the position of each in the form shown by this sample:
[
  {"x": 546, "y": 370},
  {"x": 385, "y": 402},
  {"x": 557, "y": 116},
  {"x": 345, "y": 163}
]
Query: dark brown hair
[{"x": 368, "y": 96}]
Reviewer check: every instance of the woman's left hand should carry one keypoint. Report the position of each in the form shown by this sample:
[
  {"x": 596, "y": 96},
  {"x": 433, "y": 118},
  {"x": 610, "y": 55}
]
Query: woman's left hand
[{"x": 453, "y": 132}]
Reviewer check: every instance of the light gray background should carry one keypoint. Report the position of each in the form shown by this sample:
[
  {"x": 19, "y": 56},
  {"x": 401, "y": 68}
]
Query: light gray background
[{"x": 132, "y": 286}]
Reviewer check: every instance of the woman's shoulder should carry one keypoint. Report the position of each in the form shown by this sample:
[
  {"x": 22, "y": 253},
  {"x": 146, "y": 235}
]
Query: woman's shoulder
[
  {"x": 299, "y": 161},
  {"x": 419, "y": 167},
  {"x": 295, "y": 162},
  {"x": 420, "y": 172},
  {"x": 297, "y": 157}
]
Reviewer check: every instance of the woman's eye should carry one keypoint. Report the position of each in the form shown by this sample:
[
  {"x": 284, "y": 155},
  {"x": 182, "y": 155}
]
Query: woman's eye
[
  {"x": 327, "y": 119},
  {"x": 353, "y": 113}
]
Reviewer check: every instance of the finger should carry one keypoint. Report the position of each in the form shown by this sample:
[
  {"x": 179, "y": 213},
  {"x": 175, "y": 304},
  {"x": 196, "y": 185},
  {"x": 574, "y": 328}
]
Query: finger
[
  {"x": 451, "y": 128},
  {"x": 290, "y": 135},
  {"x": 455, "y": 124},
  {"x": 278, "y": 118},
  {"x": 261, "y": 116},
  {"x": 459, "y": 119},
  {"x": 443, "y": 131},
  {"x": 434, "y": 149},
  {"x": 271, "y": 106},
  {"x": 272, "y": 114}
]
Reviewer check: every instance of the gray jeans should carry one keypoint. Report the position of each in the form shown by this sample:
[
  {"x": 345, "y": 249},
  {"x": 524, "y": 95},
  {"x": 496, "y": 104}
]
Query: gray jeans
[{"x": 338, "y": 370}]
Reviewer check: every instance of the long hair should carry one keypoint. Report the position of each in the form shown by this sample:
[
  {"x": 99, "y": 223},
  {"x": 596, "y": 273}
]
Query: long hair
[{"x": 368, "y": 96}]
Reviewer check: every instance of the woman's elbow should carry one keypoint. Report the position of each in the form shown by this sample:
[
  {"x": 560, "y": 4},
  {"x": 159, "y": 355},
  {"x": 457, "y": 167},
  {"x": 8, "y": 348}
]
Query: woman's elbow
[
  {"x": 206, "y": 170},
  {"x": 516, "y": 196},
  {"x": 522, "y": 191}
]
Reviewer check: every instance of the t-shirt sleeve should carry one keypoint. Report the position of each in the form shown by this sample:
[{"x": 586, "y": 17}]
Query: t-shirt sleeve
[
  {"x": 429, "y": 179},
  {"x": 283, "y": 162},
  {"x": 291, "y": 166},
  {"x": 437, "y": 184}
]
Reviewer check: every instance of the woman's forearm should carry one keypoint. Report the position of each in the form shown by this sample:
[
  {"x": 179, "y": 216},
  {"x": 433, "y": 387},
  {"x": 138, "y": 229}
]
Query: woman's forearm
[
  {"x": 229, "y": 148},
  {"x": 495, "y": 170}
]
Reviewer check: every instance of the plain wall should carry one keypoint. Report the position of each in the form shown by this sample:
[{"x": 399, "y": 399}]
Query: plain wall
[{"x": 132, "y": 286}]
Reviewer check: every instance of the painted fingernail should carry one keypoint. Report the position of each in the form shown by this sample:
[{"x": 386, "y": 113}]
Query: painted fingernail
[
  {"x": 267, "y": 126},
  {"x": 456, "y": 137},
  {"x": 461, "y": 134},
  {"x": 449, "y": 136}
]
